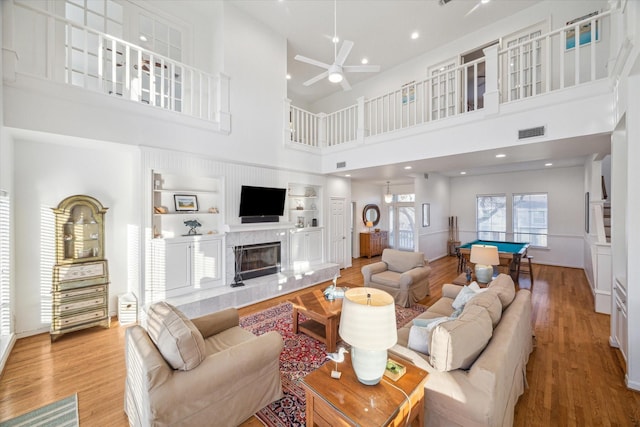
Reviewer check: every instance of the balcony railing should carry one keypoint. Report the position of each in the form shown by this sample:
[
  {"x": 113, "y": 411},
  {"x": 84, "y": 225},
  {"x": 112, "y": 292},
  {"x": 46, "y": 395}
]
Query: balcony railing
[
  {"x": 532, "y": 66},
  {"x": 65, "y": 51}
]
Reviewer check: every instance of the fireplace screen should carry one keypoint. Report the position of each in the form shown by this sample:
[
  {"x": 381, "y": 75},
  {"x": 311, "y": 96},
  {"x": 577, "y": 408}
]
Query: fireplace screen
[{"x": 257, "y": 260}]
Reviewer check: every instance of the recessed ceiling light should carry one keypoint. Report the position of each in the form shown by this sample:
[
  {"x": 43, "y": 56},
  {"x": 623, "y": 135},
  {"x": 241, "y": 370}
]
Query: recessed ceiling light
[
  {"x": 143, "y": 38},
  {"x": 415, "y": 35},
  {"x": 548, "y": 164},
  {"x": 499, "y": 156},
  {"x": 364, "y": 61},
  {"x": 484, "y": 1},
  {"x": 335, "y": 39},
  {"x": 288, "y": 76},
  {"x": 407, "y": 167},
  {"x": 463, "y": 173},
  {"x": 348, "y": 175}
]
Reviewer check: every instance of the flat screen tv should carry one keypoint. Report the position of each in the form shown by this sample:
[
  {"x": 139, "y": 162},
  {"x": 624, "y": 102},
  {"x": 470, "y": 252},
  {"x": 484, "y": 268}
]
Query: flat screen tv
[{"x": 261, "y": 204}]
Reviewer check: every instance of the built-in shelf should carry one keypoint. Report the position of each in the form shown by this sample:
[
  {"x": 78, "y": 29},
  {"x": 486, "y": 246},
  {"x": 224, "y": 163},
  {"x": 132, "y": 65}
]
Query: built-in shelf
[{"x": 307, "y": 197}]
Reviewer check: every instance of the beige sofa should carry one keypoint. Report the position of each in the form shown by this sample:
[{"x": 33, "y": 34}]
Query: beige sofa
[
  {"x": 477, "y": 361},
  {"x": 205, "y": 371},
  {"x": 404, "y": 275}
]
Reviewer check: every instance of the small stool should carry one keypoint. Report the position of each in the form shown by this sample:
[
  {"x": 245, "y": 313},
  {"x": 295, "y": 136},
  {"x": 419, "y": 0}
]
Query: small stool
[{"x": 528, "y": 270}]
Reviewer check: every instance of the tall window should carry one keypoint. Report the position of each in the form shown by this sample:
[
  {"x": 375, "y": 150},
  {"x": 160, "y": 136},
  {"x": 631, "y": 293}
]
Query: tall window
[
  {"x": 525, "y": 65},
  {"x": 530, "y": 213},
  {"x": 443, "y": 91},
  {"x": 491, "y": 217},
  {"x": 5, "y": 265}
]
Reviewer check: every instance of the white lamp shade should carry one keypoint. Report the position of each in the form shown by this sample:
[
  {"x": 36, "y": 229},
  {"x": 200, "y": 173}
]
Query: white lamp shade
[{"x": 368, "y": 319}]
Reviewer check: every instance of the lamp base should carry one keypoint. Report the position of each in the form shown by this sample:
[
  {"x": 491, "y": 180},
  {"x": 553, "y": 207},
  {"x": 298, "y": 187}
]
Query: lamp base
[
  {"x": 369, "y": 365},
  {"x": 484, "y": 273}
]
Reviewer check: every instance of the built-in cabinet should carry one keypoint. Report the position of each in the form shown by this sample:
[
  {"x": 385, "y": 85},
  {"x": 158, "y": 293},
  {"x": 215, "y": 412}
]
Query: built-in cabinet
[
  {"x": 620, "y": 321},
  {"x": 304, "y": 205},
  {"x": 80, "y": 287},
  {"x": 187, "y": 242},
  {"x": 185, "y": 264},
  {"x": 306, "y": 246},
  {"x": 373, "y": 243}
]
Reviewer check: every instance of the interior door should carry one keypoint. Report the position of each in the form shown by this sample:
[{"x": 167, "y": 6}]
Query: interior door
[
  {"x": 402, "y": 226},
  {"x": 338, "y": 232}
]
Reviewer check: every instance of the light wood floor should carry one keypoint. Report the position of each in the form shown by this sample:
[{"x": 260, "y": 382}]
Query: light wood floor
[{"x": 575, "y": 378}]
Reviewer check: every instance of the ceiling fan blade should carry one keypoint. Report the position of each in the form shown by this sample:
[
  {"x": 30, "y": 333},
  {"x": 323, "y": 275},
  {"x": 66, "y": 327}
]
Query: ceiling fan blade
[
  {"x": 311, "y": 61},
  {"x": 361, "y": 68},
  {"x": 345, "y": 84},
  {"x": 346, "y": 47},
  {"x": 473, "y": 9},
  {"x": 316, "y": 78}
]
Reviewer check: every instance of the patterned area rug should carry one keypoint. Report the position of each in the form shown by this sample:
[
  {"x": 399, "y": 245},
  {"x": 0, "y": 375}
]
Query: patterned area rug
[
  {"x": 63, "y": 413},
  {"x": 300, "y": 356}
]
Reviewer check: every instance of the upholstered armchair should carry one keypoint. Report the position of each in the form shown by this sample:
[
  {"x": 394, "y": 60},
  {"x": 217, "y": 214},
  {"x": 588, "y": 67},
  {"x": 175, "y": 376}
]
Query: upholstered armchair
[
  {"x": 404, "y": 275},
  {"x": 205, "y": 371}
]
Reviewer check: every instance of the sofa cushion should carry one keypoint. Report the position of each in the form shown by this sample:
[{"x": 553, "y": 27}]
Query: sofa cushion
[
  {"x": 504, "y": 287},
  {"x": 177, "y": 338},
  {"x": 490, "y": 302},
  {"x": 457, "y": 343},
  {"x": 387, "y": 278},
  {"x": 401, "y": 261}
]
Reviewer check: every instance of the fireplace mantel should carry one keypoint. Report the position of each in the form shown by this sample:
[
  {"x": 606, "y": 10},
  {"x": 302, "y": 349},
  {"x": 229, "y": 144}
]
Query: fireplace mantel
[{"x": 261, "y": 226}]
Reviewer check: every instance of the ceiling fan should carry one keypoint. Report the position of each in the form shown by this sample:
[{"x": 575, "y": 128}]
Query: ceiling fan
[{"x": 335, "y": 71}]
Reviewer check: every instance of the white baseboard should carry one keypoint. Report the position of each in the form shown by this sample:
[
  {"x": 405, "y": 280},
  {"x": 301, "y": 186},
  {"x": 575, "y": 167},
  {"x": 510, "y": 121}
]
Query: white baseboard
[
  {"x": 633, "y": 385},
  {"x": 6, "y": 344}
]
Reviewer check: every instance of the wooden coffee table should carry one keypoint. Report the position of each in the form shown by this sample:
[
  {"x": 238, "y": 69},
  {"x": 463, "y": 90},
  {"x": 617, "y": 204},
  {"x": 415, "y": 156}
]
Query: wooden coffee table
[
  {"x": 348, "y": 402},
  {"x": 323, "y": 316}
]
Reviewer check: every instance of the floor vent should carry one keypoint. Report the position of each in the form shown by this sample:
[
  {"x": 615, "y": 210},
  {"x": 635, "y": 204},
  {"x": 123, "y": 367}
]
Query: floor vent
[
  {"x": 341, "y": 165},
  {"x": 531, "y": 132}
]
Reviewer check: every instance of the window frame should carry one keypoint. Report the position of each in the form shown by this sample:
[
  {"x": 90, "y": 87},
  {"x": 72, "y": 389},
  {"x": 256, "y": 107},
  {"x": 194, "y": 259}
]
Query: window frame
[
  {"x": 502, "y": 233},
  {"x": 515, "y": 220}
]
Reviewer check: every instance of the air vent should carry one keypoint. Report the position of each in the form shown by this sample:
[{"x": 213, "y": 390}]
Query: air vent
[
  {"x": 443, "y": 2},
  {"x": 530, "y": 133},
  {"x": 341, "y": 165}
]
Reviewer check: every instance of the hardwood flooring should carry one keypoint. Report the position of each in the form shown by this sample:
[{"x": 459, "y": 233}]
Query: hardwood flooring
[{"x": 575, "y": 378}]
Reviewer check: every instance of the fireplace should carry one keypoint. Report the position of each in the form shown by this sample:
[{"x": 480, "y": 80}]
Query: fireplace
[{"x": 257, "y": 260}]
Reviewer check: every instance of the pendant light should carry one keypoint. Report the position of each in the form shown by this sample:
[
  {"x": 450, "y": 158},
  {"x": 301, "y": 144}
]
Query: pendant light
[{"x": 388, "y": 198}]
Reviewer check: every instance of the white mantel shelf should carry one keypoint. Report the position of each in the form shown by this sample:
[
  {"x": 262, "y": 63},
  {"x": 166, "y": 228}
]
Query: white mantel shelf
[{"x": 258, "y": 226}]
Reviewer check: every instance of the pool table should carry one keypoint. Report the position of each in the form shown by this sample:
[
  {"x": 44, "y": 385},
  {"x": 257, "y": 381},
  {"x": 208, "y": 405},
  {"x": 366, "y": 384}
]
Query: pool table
[{"x": 510, "y": 254}]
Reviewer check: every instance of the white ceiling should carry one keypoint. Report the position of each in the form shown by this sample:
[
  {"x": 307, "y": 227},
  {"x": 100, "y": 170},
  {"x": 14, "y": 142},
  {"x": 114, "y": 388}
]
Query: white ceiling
[{"x": 380, "y": 30}]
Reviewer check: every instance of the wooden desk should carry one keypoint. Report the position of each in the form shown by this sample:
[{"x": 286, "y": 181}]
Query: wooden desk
[{"x": 347, "y": 402}]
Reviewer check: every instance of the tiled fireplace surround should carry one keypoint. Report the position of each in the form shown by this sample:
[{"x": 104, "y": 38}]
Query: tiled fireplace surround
[{"x": 259, "y": 288}]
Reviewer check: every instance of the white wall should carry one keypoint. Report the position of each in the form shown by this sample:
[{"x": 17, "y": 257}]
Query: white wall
[
  {"x": 565, "y": 189},
  {"x": 46, "y": 173},
  {"x": 434, "y": 190}
]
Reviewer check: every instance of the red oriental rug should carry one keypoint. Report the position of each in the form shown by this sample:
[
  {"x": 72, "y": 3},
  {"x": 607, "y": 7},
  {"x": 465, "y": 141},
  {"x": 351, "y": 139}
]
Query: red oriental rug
[{"x": 300, "y": 356}]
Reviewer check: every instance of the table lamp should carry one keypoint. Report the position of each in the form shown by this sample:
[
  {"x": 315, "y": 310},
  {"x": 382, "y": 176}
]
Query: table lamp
[
  {"x": 369, "y": 224},
  {"x": 484, "y": 257},
  {"x": 368, "y": 324}
]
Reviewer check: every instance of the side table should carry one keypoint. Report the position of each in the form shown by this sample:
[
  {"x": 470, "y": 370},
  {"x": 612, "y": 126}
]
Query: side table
[{"x": 347, "y": 402}]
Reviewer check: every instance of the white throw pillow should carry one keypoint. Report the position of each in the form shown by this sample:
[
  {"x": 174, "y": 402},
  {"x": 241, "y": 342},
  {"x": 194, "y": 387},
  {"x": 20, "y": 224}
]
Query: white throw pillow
[
  {"x": 420, "y": 333},
  {"x": 465, "y": 294}
]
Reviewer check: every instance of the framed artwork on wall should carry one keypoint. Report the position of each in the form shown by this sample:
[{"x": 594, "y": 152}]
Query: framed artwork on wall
[
  {"x": 584, "y": 36},
  {"x": 185, "y": 202}
]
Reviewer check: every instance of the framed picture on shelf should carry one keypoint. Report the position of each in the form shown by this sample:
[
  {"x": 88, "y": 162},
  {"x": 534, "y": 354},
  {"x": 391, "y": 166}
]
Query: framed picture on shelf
[{"x": 185, "y": 202}]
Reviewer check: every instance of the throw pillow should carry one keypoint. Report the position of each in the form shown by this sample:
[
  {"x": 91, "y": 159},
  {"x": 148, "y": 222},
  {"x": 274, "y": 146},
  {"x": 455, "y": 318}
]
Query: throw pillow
[
  {"x": 465, "y": 294},
  {"x": 175, "y": 336},
  {"x": 420, "y": 333}
]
